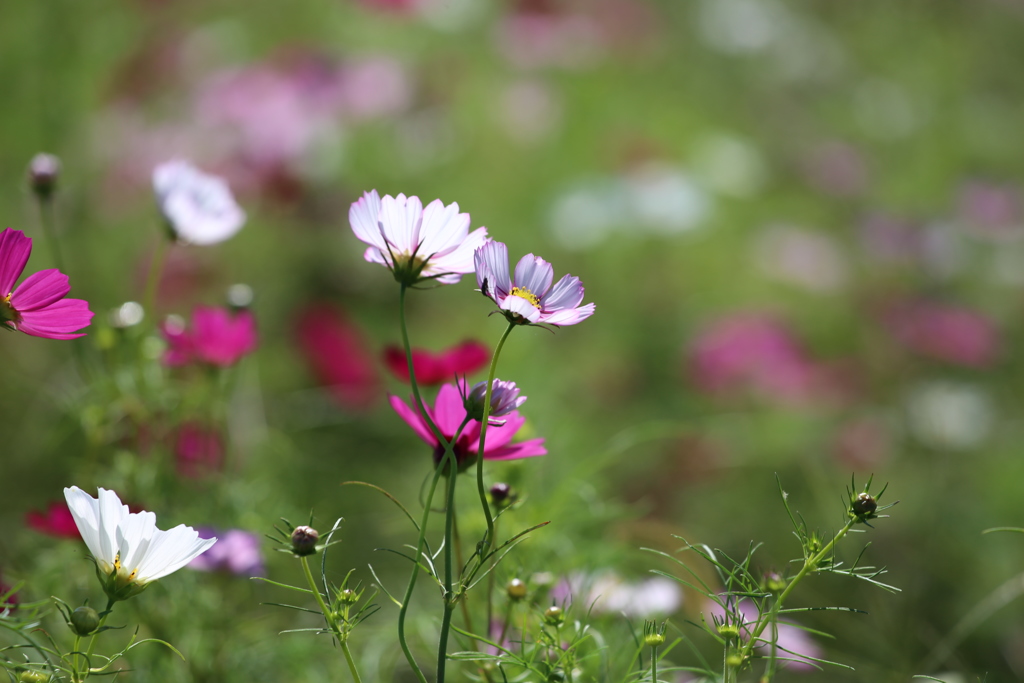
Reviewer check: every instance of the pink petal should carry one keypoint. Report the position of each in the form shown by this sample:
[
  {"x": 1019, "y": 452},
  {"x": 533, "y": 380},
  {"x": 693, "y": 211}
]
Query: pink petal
[
  {"x": 497, "y": 437},
  {"x": 520, "y": 306},
  {"x": 39, "y": 290},
  {"x": 567, "y": 293},
  {"x": 444, "y": 228},
  {"x": 525, "y": 449},
  {"x": 569, "y": 317},
  {"x": 413, "y": 419},
  {"x": 363, "y": 215},
  {"x": 461, "y": 259},
  {"x": 57, "y": 320},
  {"x": 400, "y": 220},
  {"x": 15, "y": 249},
  {"x": 535, "y": 274},
  {"x": 491, "y": 261},
  {"x": 449, "y": 411}
]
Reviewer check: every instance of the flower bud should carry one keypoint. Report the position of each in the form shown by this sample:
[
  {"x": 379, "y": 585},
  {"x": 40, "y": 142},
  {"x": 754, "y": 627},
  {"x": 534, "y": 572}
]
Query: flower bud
[
  {"x": 304, "y": 539},
  {"x": 31, "y": 676},
  {"x": 734, "y": 660},
  {"x": 501, "y": 495},
  {"x": 773, "y": 582},
  {"x": 728, "y": 631},
  {"x": 504, "y": 399},
  {"x": 84, "y": 620},
  {"x": 864, "y": 504},
  {"x": 554, "y": 616},
  {"x": 654, "y": 639},
  {"x": 348, "y": 596},
  {"x": 43, "y": 171},
  {"x": 516, "y": 590}
]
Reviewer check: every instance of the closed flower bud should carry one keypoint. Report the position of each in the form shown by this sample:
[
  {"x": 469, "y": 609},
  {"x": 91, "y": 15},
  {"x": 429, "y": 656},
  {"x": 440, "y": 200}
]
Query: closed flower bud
[
  {"x": 773, "y": 582},
  {"x": 728, "y": 631},
  {"x": 348, "y": 596},
  {"x": 84, "y": 620},
  {"x": 504, "y": 399},
  {"x": 516, "y": 590},
  {"x": 864, "y": 504},
  {"x": 502, "y": 495},
  {"x": 304, "y": 539},
  {"x": 554, "y": 616},
  {"x": 734, "y": 660},
  {"x": 654, "y": 639},
  {"x": 43, "y": 171},
  {"x": 30, "y": 676}
]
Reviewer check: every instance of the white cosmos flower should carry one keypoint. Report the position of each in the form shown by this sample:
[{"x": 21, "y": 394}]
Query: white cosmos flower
[
  {"x": 198, "y": 207},
  {"x": 129, "y": 550}
]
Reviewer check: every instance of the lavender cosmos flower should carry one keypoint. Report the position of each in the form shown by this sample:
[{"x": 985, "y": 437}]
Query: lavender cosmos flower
[
  {"x": 416, "y": 243},
  {"x": 37, "y": 307},
  {"x": 504, "y": 399},
  {"x": 198, "y": 207},
  {"x": 236, "y": 552},
  {"x": 528, "y": 297},
  {"x": 218, "y": 337},
  {"x": 448, "y": 414}
]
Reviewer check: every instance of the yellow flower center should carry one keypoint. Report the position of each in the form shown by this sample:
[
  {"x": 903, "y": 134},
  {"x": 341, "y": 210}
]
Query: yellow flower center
[
  {"x": 524, "y": 293},
  {"x": 7, "y": 311},
  {"x": 117, "y": 568}
]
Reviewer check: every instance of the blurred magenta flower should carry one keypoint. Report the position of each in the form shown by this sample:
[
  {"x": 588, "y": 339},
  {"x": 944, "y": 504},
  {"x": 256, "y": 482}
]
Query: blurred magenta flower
[
  {"x": 751, "y": 352},
  {"x": 10, "y": 601},
  {"x": 56, "y": 521},
  {"x": 218, "y": 337},
  {"x": 337, "y": 355},
  {"x": 944, "y": 332},
  {"x": 416, "y": 244},
  {"x": 199, "y": 208},
  {"x": 198, "y": 450},
  {"x": 37, "y": 307},
  {"x": 449, "y": 412},
  {"x": 528, "y": 297},
  {"x": 436, "y": 368},
  {"x": 991, "y": 210},
  {"x": 236, "y": 552}
]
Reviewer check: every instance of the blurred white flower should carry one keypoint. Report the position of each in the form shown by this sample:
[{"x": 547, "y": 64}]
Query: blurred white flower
[
  {"x": 949, "y": 415},
  {"x": 129, "y": 550},
  {"x": 609, "y": 593},
  {"x": 198, "y": 207}
]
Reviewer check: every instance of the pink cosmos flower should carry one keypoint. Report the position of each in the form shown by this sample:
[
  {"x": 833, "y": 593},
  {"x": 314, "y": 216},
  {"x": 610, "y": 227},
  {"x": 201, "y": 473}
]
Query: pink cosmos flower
[
  {"x": 218, "y": 337},
  {"x": 793, "y": 643},
  {"x": 449, "y": 412},
  {"x": 416, "y": 243},
  {"x": 528, "y": 298},
  {"x": 945, "y": 332},
  {"x": 236, "y": 552},
  {"x": 337, "y": 355},
  {"x": 436, "y": 368},
  {"x": 37, "y": 307},
  {"x": 56, "y": 521},
  {"x": 198, "y": 450}
]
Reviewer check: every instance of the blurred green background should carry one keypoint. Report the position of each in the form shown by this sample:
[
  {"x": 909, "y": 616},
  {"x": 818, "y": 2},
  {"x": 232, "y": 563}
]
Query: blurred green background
[{"x": 801, "y": 224}]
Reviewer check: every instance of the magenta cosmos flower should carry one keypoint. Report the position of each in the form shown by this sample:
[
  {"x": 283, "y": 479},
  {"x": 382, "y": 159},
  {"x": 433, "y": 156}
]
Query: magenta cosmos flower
[
  {"x": 528, "y": 297},
  {"x": 448, "y": 414},
  {"x": 436, "y": 368},
  {"x": 37, "y": 307},
  {"x": 416, "y": 243},
  {"x": 218, "y": 337}
]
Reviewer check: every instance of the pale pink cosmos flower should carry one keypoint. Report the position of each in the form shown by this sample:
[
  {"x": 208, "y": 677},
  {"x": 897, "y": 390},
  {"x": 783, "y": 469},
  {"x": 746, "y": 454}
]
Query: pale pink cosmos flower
[
  {"x": 945, "y": 332},
  {"x": 413, "y": 242},
  {"x": 37, "y": 307},
  {"x": 218, "y": 337},
  {"x": 528, "y": 297},
  {"x": 198, "y": 207},
  {"x": 449, "y": 412},
  {"x": 236, "y": 552}
]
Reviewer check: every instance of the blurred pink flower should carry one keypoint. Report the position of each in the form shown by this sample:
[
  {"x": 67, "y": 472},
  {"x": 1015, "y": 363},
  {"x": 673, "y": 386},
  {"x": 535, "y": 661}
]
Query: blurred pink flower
[
  {"x": 528, "y": 296},
  {"x": 12, "y": 599},
  {"x": 435, "y": 368},
  {"x": 752, "y": 352},
  {"x": 198, "y": 450},
  {"x": 37, "y": 307},
  {"x": 373, "y": 87},
  {"x": 218, "y": 337},
  {"x": 56, "y": 521},
  {"x": 533, "y": 37},
  {"x": 337, "y": 355},
  {"x": 792, "y": 642},
  {"x": 837, "y": 168},
  {"x": 945, "y": 332},
  {"x": 236, "y": 552},
  {"x": 449, "y": 412},
  {"x": 991, "y": 210}
]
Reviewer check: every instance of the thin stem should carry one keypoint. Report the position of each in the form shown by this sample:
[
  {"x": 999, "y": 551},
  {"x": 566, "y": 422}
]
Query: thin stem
[
  {"x": 156, "y": 269},
  {"x": 92, "y": 640},
  {"x": 449, "y": 597},
  {"x": 351, "y": 662},
  {"x": 47, "y": 220},
  {"x": 489, "y": 538},
  {"x": 414, "y": 385},
  {"x": 316, "y": 592},
  {"x": 654, "y": 664},
  {"x": 458, "y": 560},
  {"x": 74, "y": 665}
]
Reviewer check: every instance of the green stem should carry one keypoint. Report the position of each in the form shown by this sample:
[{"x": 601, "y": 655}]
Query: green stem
[
  {"x": 49, "y": 223},
  {"x": 92, "y": 640},
  {"x": 156, "y": 269},
  {"x": 449, "y": 597},
  {"x": 351, "y": 662},
  {"x": 654, "y": 664},
  {"x": 489, "y": 538},
  {"x": 316, "y": 593},
  {"x": 74, "y": 665}
]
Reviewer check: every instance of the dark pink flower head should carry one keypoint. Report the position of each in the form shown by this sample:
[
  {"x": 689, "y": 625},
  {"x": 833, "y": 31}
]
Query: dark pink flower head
[
  {"x": 449, "y": 412},
  {"x": 218, "y": 337},
  {"x": 56, "y": 521},
  {"x": 752, "y": 352},
  {"x": 337, "y": 355},
  {"x": 945, "y": 332},
  {"x": 528, "y": 297},
  {"x": 37, "y": 307},
  {"x": 436, "y": 368},
  {"x": 198, "y": 450},
  {"x": 235, "y": 552}
]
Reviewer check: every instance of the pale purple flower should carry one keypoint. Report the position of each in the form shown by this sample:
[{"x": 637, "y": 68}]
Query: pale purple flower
[
  {"x": 416, "y": 243},
  {"x": 236, "y": 552},
  {"x": 199, "y": 208},
  {"x": 792, "y": 642},
  {"x": 946, "y": 332},
  {"x": 528, "y": 297},
  {"x": 609, "y": 593},
  {"x": 37, "y": 307},
  {"x": 504, "y": 399}
]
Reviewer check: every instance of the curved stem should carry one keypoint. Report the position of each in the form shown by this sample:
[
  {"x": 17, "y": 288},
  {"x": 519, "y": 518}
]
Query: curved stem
[
  {"x": 489, "y": 538},
  {"x": 414, "y": 385}
]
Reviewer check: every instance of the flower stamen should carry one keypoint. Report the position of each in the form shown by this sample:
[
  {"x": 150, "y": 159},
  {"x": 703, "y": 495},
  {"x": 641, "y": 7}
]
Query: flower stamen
[{"x": 524, "y": 293}]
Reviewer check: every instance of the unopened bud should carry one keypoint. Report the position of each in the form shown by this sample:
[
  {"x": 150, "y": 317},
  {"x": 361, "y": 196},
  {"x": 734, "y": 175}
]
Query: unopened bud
[
  {"x": 348, "y": 596},
  {"x": 501, "y": 493},
  {"x": 864, "y": 504},
  {"x": 773, "y": 582},
  {"x": 734, "y": 660},
  {"x": 654, "y": 639},
  {"x": 304, "y": 539},
  {"x": 554, "y": 616},
  {"x": 31, "y": 676},
  {"x": 728, "y": 631},
  {"x": 84, "y": 620},
  {"x": 516, "y": 590},
  {"x": 43, "y": 171},
  {"x": 504, "y": 399}
]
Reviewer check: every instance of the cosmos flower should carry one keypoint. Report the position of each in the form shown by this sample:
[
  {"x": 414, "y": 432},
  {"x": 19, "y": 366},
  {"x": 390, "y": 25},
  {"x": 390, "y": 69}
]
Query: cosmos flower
[
  {"x": 449, "y": 412},
  {"x": 504, "y": 399},
  {"x": 528, "y": 297},
  {"x": 37, "y": 307},
  {"x": 336, "y": 352},
  {"x": 416, "y": 244},
  {"x": 436, "y": 368},
  {"x": 198, "y": 450},
  {"x": 218, "y": 337},
  {"x": 56, "y": 521},
  {"x": 130, "y": 552},
  {"x": 199, "y": 208},
  {"x": 237, "y": 552}
]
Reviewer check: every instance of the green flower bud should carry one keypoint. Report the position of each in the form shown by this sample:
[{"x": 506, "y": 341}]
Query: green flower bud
[
  {"x": 554, "y": 616},
  {"x": 348, "y": 596},
  {"x": 304, "y": 539},
  {"x": 734, "y": 660},
  {"x": 773, "y": 582},
  {"x": 864, "y": 504},
  {"x": 654, "y": 639},
  {"x": 84, "y": 620},
  {"x": 516, "y": 590},
  {"x": 729, "y": 631},
  {"x": 30, "y": 676}
]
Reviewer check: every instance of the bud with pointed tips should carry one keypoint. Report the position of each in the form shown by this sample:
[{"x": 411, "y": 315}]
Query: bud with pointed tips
[{"x": 304, "y": 540}]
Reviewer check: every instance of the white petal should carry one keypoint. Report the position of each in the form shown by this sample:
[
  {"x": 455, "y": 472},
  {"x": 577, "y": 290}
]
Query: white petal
[
  {"x": 171, "y": 550},
  {"x": 443, "y": 229},
  {"x": 134, "y": 536},
  {"x": 400, "y": 219},
  {"x": 363, "y": 216},
  {"x": 110, "y": 512},
  {"x": 461, "y": 259},
  {"x": 85, "y": 510},
  {"x": 518, "y": 304}
]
